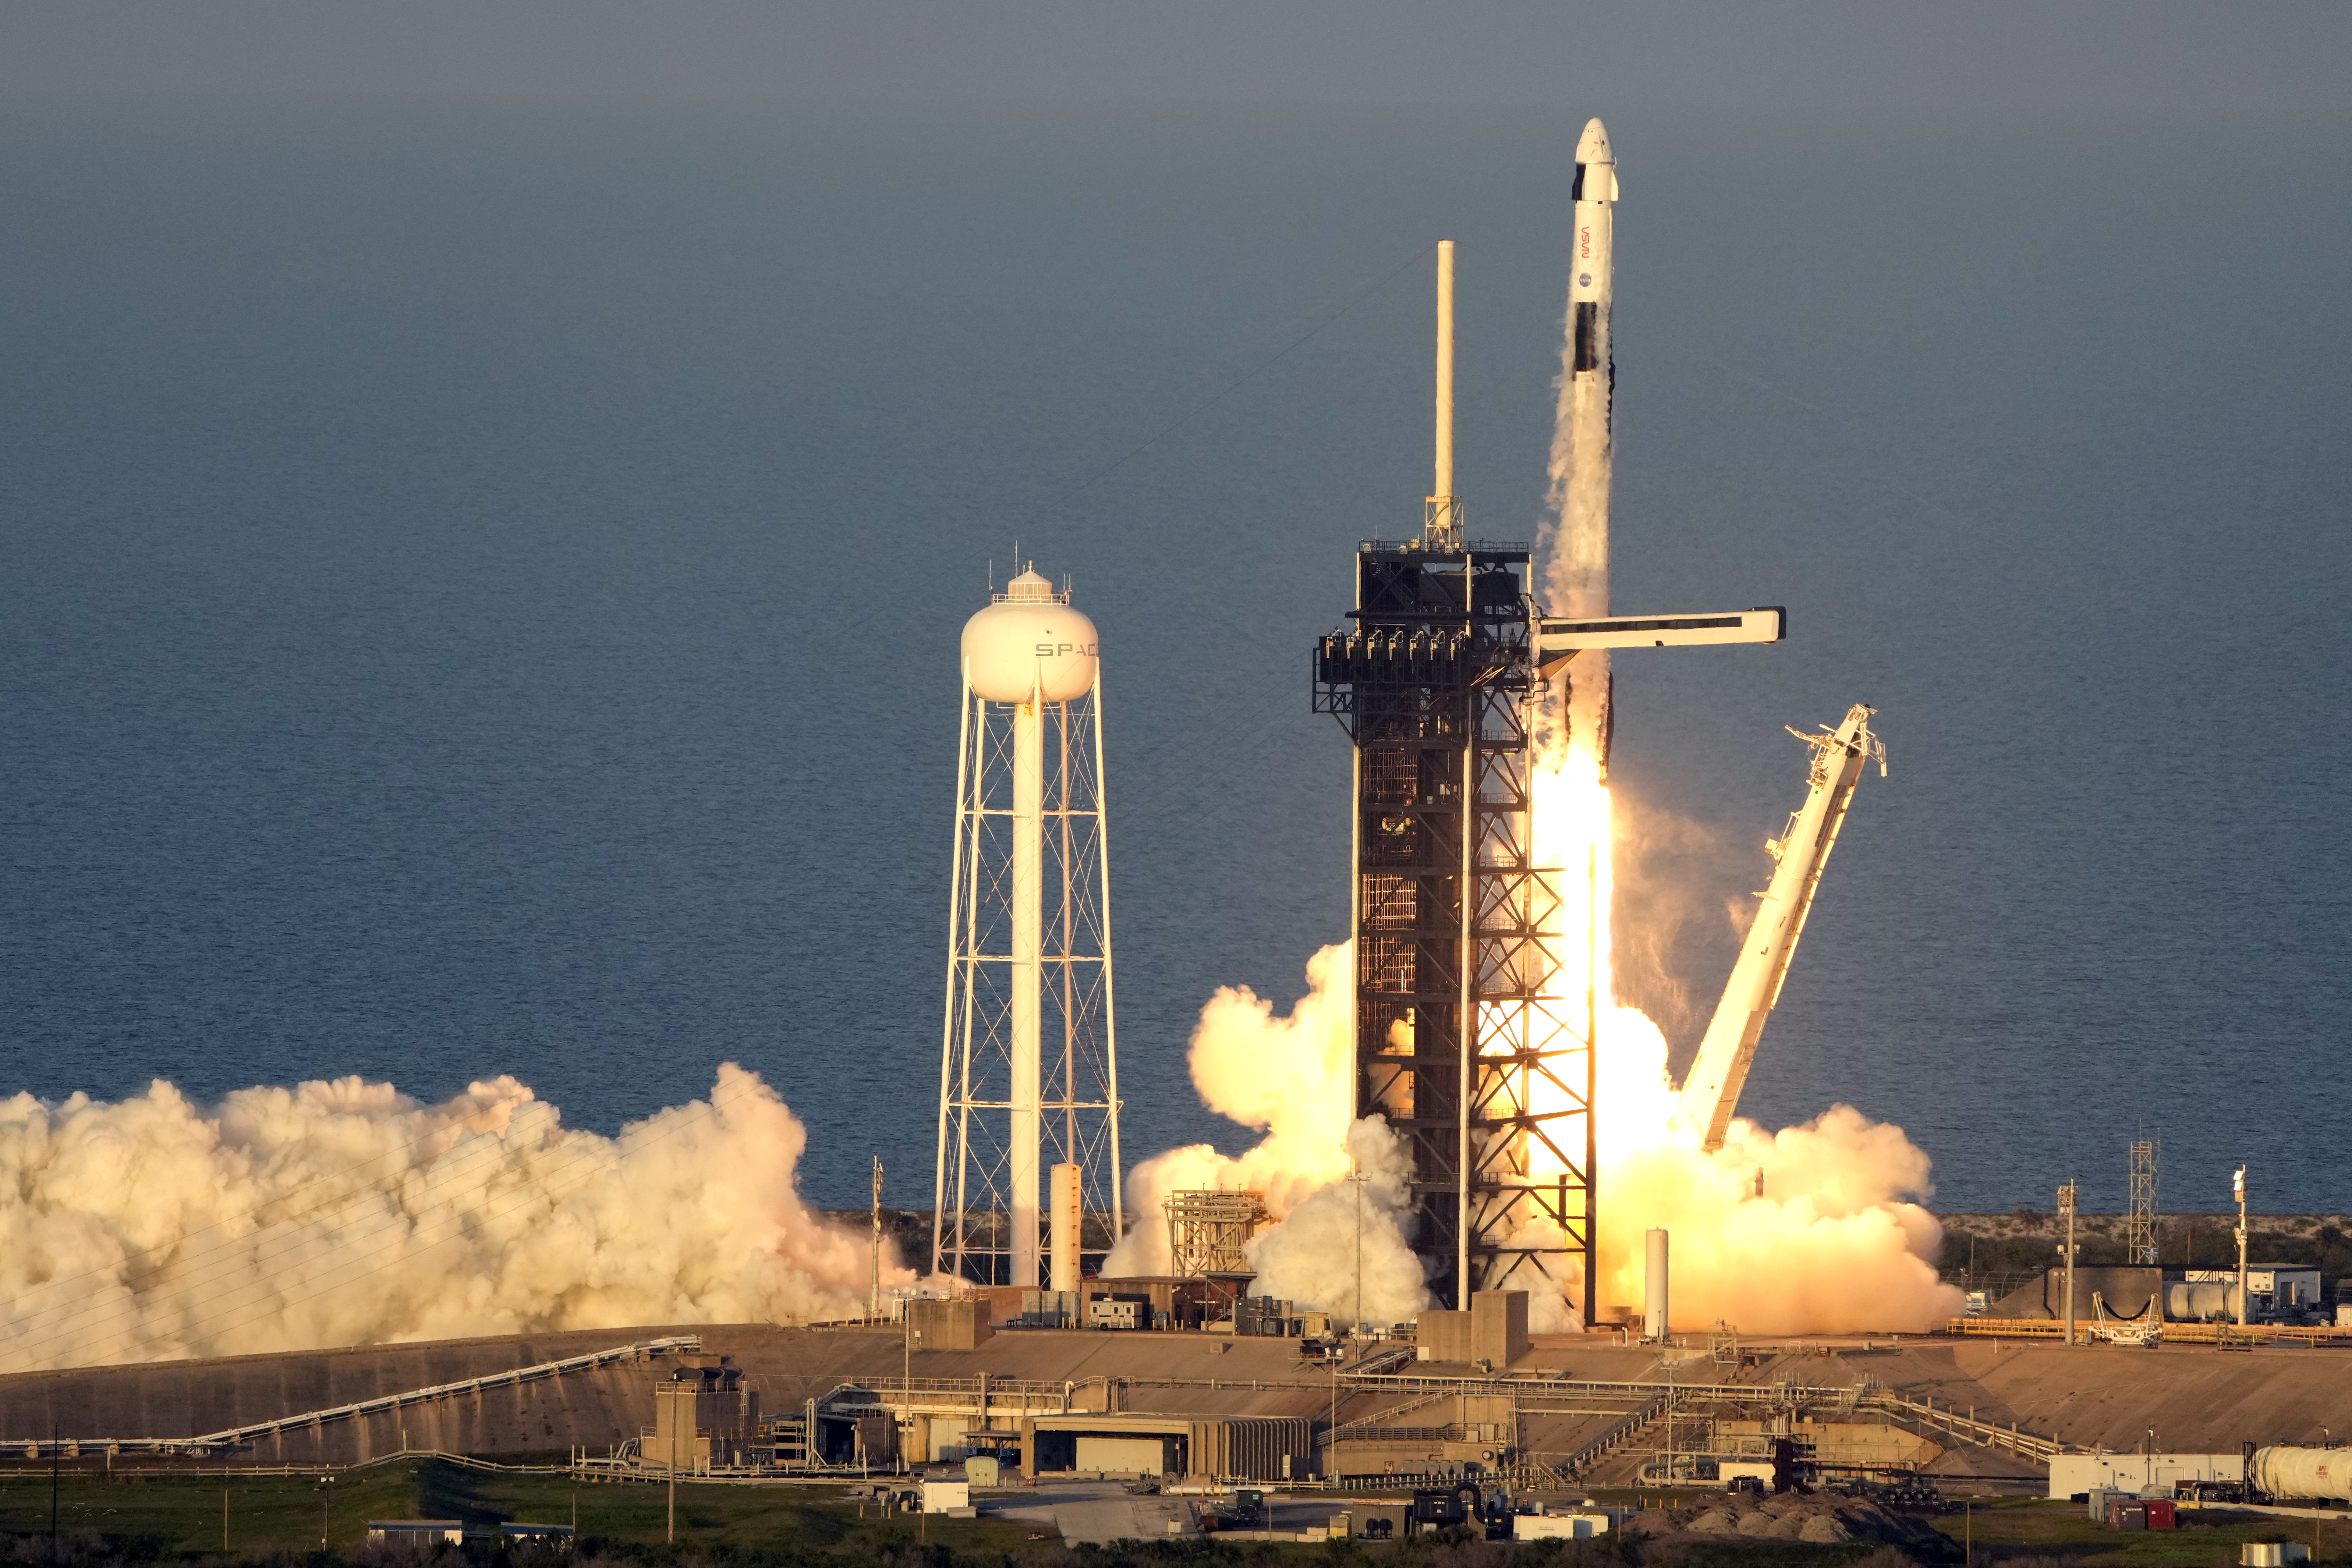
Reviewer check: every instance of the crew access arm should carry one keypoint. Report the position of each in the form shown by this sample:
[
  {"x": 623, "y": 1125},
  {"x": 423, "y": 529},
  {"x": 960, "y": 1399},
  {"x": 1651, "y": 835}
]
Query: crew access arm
[{"x": 1711, "y": 1089}]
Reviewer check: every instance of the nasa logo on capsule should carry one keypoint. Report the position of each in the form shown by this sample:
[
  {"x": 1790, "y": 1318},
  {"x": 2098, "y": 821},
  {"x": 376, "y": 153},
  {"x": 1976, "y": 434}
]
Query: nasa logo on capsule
[{"x": 1584, "y": 280}]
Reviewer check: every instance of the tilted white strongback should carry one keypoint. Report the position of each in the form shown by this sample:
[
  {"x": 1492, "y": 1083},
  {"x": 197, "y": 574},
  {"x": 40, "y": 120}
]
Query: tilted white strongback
[
  {"x": 1710, "y": 1093},
  {"x": 1029, "y": 1064}
]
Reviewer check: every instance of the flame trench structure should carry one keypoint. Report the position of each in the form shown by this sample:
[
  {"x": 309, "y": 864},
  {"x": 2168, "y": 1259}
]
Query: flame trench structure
[{"x": 1029, "y": 1063}]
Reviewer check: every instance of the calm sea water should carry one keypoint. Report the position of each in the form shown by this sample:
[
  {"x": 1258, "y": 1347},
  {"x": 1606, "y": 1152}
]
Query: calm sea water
[{"x": 480, "y": 586}]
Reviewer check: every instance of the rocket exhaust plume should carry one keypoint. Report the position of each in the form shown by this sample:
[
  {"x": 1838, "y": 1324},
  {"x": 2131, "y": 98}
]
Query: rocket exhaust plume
[
  {"x": 1809, "y": 1229},
  {"x": 345, "y": 1213},
  {"x": 1806, "y": 1230}
]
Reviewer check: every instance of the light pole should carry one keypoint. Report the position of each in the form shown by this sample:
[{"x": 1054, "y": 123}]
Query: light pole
[
  {"x": 2066, "y": 1210},
  {"x": 2239, "y": 1182},
  {"x": 874, "y": 1299},
  {"x": 906, "y": 1342}
]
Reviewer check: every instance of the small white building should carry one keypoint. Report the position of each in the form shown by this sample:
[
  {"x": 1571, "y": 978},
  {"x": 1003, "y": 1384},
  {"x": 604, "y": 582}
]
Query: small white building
[
  {"x": 2071, "y": 1475},
  {"x": 947, "y": 1497},
  {"x": 1558, "y": 1526},
  {"x": 2286, "y": 1284}
]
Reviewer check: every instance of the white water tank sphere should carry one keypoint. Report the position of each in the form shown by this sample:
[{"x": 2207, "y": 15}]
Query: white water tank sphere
[{"x": 1029, "y": 642}]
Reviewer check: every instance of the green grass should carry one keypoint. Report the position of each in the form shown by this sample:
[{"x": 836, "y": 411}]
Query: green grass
[
  {"x": 177, "y": 1514},
  {"x": 2026, "y": 1527},
  {"x": 174, "y": 1515},
  {"x": 179, "y": 1517},
  {"x": 804, "y": 1518}
]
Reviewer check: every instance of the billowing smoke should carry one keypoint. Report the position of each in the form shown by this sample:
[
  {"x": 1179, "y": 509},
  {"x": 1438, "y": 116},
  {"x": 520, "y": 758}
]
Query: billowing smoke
[
  {"x": 1343, "y": 1247},
  {"x": 1293, "y": 1079},
  {"x": 1811, "y": 1230},
  {"x": 345, "y": 1213}
]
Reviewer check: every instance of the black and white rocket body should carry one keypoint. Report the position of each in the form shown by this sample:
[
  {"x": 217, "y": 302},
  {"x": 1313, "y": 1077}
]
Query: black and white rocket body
[{"x": 1581, "y": 455}]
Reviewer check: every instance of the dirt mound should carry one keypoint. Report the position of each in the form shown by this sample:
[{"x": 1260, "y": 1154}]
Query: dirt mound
[{"x": 1818, "y": 1520}]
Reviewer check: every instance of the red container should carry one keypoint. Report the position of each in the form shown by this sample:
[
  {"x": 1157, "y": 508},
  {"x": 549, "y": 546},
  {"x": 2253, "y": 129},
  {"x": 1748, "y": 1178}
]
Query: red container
[{"x": 2161, "y": 1515}]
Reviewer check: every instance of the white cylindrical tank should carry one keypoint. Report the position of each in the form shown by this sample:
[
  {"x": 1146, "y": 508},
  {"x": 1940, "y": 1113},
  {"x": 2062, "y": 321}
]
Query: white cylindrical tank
[
  {"x": 1030, "y": 642},
  {"x": 1067, "y": 1213},
  {"x": 1653, "y": 1288},
  {"x": 2284, "y": 1473},
  {"x": 2205, "y": 1301}
]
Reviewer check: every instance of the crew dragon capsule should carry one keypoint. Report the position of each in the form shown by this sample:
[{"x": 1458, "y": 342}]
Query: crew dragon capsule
[{"x": 1581, "y": 467}]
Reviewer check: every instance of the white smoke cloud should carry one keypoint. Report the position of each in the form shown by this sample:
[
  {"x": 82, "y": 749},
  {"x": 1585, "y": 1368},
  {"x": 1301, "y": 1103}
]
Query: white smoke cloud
[
  {"x": 1834, "y": 1242},
  {"x": 345, "y": 1213},
  {"x": 1342, "y": 1248},
  {"x": 1293, "y": 1079},
  {"x": 1811, "y": 1230}
]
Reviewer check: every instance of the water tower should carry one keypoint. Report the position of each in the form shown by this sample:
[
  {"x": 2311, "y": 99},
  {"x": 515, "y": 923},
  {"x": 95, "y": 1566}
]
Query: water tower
[{"x": 1028, "y": 1065}]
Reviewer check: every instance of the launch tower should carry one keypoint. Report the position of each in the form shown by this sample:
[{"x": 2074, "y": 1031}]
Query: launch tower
[
  {"x": 1469, "y": 1037},
  {"x": 1029, "y": 1064}
]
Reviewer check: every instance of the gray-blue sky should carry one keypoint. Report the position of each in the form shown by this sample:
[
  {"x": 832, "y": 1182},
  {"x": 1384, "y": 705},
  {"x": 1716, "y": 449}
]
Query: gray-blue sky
[{"x": 1993, "y": 56}]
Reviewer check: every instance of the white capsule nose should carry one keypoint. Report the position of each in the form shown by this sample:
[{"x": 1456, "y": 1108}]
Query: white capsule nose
[{"x": 1593, "y": 147}]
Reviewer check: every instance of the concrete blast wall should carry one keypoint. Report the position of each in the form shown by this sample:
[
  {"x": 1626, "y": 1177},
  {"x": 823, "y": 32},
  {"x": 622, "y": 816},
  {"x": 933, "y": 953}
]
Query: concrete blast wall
[
  {"x": 2126, "y": 1290},
  {"x": 595, "y": 1409}
]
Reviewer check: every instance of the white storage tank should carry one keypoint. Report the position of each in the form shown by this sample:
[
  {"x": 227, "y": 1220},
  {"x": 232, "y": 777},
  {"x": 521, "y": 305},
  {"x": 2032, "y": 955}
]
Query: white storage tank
[
  {"x": 2200, "y": 1302},
  {"x": 1030, "y": 642},
  {"x": 1653, "y": 1288},
  {"x": 2301, "y": 1474}
]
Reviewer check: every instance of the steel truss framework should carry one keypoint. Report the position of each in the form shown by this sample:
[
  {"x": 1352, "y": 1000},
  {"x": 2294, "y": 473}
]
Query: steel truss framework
[
  {"x": 2139, "y": 1234},
  {"x": 1078, "y": 1106},
  {"x": 1432, "y": 683},
  {"x": 1209, "y": 1232}
]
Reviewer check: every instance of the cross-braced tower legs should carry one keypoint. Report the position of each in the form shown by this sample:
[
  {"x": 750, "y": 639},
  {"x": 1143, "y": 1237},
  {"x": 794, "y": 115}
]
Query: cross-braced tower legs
[{"x": 1028, "y": 1065}]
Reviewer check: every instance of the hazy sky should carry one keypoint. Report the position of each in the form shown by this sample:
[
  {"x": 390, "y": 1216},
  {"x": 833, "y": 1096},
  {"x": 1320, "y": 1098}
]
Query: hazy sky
[{"x": 2294, "y": 58}]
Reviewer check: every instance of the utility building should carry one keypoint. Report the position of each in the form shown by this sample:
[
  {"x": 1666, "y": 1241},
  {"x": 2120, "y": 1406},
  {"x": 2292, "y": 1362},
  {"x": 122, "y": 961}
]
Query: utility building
[{"x": 705, "y": 1414}]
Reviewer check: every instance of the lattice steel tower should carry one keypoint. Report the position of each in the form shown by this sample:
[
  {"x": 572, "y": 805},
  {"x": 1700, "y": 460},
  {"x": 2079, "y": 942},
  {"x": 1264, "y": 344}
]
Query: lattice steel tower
[
  {"x": 1472, "y": 1034},
  {"x": 1029, "y": 1063},
  {"x": 2140, "y": 1245}
]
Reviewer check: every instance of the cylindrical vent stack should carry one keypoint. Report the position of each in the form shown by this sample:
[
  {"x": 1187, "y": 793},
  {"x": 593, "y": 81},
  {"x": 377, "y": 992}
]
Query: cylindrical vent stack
[
  {"x": 1067, "y": 1199},
  {"x": 1654, "y": 1310}
]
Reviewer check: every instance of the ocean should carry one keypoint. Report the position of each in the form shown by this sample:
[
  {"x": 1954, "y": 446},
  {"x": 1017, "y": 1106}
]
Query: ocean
[{"x": 482, "y": 583}]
